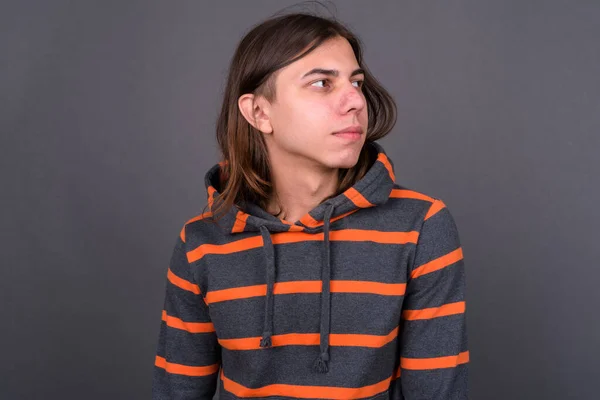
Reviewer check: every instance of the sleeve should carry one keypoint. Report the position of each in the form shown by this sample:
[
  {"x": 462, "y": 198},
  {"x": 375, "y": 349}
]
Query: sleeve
[
  {"x": 188, "y": 353},
  {"x": 433, "y": 342}
]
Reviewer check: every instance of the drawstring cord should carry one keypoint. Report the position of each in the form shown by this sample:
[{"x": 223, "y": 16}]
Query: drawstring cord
[
  {"x": 321, "y": 364},
  {"x": 270, "y": 278}
]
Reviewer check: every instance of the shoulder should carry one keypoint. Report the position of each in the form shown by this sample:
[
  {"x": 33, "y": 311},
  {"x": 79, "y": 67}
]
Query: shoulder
[
  {"x": 438, "y": 236},
  {"x": 424, "y": 205},
  {"x": 195, "y": 226}
]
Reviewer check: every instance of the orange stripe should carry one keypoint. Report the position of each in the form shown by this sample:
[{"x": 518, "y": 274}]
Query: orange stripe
[
  {"x": 182, "y": 283},
  {"x": 351, "y": 339},
  {"x": 409, "y": 194},
  {"x": 341, "y": 216},
  {"x": 357, "y": 198},
  {"x": 228, "y": 248},
  {"x": 295, "y": 287},
  {"x": 180, "y": 369},
  {"x": 435, "y": 312},
  {"x": 196, "y": 218},
  {"x": 435, "y": 362},
  {"x": 305, "y": 392},
  {"x": 386, "y": 162},
  {"x": 311, "y": 339},
  {"x": 289, "y": 339},
  {"x": 308, "y": 220},
  {"x": 295, "y": 228},
  {"x": 297, "y": 237},
  {"x": 215, "y": 296},
  {"x": 312, "y": 223},
  {"x": 240, "y": 222},
  {"x": 191, "y": 327},
  {"x": 210, "y": 190},
  {"x": 360, "y": 235},
  {"x": 199, "y": 217},
  {"x": 292, "y": 226},
  {"x": 353, "y": 235},
  {"x": 397, "y": 373},
  {"x": 385, "y": 289},
  {"x": 438, "y": 263},
  {"x": 436, "y": 206}
]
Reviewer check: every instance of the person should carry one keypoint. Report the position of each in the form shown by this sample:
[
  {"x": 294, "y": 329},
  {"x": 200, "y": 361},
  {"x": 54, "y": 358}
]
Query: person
[{"x": 311, "y": 273}]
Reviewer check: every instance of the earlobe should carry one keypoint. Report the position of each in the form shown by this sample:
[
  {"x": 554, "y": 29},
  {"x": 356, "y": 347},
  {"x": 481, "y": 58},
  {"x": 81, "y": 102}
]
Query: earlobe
[{"x": 253, "y": 111}]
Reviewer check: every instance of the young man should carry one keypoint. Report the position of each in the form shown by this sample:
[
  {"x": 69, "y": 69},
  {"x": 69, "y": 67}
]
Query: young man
[{"x": 313, "y": 274}]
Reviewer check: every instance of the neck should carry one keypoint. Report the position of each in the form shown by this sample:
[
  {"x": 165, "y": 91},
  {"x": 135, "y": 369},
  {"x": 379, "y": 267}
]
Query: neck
[{"x": 298, "y": 186}]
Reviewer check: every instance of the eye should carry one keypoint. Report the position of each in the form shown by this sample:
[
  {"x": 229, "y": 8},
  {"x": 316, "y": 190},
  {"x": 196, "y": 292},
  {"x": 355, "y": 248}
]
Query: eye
[
  {"x": 359, "y": 83},
  {"x": 321, "y": 80}
]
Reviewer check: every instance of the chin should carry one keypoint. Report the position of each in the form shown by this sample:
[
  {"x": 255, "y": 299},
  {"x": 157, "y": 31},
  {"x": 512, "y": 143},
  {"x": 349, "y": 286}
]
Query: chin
[
  {"x": 347, "y": 165},
  {"x": 345, "y": 161}
]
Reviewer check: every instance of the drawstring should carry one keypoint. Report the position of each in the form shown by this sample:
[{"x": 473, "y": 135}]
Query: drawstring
[
  {"x": 322, "y": 362},
  {"x": 270, "y": 256}
]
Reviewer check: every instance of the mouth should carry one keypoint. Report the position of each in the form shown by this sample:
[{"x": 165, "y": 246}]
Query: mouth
[{"x": 353, "y": 132}]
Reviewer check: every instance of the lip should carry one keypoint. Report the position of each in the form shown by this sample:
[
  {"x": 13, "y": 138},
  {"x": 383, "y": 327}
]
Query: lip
[{"x": 354, "y": 129}]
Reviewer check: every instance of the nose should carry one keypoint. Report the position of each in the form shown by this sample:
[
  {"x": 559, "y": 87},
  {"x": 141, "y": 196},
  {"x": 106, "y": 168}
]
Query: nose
[{"x": 352, "y": 98}]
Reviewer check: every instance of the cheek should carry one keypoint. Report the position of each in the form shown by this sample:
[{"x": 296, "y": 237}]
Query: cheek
[
  {"x": 364, "y": 118},
  {"x": 363, "y": 115},
  {"x": 318, "y": 113},
  {"x": 308, "y": 116}
]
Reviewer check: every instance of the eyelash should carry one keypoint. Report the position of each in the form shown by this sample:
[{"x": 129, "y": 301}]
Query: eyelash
[{"x": 361, "y": 82}]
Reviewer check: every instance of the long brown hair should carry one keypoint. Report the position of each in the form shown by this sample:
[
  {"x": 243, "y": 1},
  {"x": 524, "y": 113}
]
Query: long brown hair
[{"x": 267, "y": 47}]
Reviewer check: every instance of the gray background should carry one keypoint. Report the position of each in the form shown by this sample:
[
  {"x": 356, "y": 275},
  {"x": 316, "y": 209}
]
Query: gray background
[{"x": 107, "y": 123}]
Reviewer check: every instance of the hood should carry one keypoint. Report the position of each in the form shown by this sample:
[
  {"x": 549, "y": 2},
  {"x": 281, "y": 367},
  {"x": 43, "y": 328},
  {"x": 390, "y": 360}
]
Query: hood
[{"x": 372, "y": 190}]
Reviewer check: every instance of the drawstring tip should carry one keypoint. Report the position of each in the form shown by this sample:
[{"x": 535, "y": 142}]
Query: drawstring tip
[
  {"x": 321, "y": 364},
  {"x": 266, "y": 341}
]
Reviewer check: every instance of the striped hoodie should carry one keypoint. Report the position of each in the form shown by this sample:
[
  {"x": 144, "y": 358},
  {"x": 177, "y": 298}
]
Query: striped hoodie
[{"x": 362, "y": 298}]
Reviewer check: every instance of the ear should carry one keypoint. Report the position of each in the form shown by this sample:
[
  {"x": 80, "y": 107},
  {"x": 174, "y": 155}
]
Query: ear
[{"x": 255, "y": 110}]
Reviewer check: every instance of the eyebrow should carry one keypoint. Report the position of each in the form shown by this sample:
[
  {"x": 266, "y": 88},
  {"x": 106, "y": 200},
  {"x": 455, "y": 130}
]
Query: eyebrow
[{"x": 331, "y": 72}]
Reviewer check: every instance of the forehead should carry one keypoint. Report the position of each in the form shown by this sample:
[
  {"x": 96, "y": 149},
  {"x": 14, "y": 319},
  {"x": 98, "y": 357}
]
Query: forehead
[{"x": 335, "y": 53}]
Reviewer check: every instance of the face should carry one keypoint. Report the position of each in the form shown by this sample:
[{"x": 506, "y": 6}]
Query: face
[{"x": 311, "y": 106}]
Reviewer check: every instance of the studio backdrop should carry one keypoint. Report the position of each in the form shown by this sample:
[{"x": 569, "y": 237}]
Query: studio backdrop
[{"x": 107, "y": 119}]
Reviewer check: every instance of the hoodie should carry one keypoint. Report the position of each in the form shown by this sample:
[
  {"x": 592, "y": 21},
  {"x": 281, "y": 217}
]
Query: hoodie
[{"x": 362, "y": 298}]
